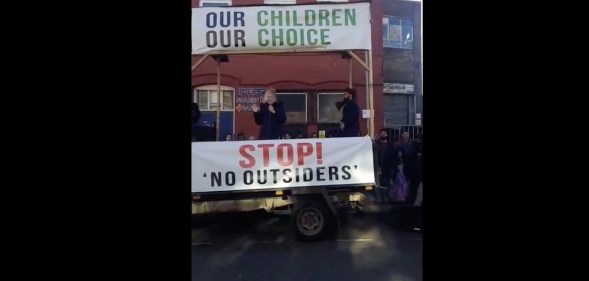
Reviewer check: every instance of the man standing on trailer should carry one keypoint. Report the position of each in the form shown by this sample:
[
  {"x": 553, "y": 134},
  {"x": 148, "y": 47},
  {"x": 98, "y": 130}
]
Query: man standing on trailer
[{"x": 350, "y": 124}]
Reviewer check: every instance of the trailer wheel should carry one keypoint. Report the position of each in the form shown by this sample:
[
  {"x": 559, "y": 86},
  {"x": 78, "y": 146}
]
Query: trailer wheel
[{"x": 311, "y": 220}]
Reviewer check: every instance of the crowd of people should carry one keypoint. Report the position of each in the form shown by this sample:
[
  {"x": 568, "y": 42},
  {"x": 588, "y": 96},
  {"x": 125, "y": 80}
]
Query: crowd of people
[{"x": 400, "y": 167}]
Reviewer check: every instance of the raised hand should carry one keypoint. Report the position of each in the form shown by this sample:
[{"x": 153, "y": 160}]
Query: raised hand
[{"x": 255, "y": 107}]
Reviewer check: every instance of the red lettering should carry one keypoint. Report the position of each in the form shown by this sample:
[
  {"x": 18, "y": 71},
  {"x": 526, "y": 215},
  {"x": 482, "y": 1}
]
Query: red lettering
[
  {"x": 289, "y": 152},
  {"x": 251, "y": 161},
  {"x": 319, "y": 153},
  {"x": 301, "y": 152},
  {"x": 266, "y": 153}
]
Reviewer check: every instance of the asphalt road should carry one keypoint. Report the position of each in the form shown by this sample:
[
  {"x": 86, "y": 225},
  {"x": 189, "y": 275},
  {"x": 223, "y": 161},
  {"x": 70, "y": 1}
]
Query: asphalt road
[{"x": 260, "y": 247}]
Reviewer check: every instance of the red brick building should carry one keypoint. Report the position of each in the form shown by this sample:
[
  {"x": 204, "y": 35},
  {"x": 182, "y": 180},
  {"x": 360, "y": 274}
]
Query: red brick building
[{"x": 308, "y": 83}]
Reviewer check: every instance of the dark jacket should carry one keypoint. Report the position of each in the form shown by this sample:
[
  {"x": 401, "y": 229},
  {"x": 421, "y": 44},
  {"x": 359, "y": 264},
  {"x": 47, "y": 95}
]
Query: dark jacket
[
  {"x": 196, "y": 132},
  {"x": 195, "y": 113},
  {"x": 410, "y": 152},
  {"x": 270, "y": 123},
  {"x": 386, "y": 157},
  {"x": 350, "y": 118}
]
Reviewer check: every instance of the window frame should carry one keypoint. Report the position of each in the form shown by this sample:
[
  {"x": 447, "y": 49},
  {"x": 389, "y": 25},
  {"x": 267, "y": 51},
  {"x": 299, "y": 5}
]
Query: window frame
[
  {"x": 387, "y": 32},
  {"x": 211, "y": 89},
  {"x": 306, "y": 105},
  {"x": 319, "y": 106},
  {"x": 201, "y": 2}
]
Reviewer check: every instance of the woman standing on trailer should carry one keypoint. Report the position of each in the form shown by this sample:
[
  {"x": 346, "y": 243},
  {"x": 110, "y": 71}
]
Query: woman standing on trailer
[{"x": 270, "y": 116}]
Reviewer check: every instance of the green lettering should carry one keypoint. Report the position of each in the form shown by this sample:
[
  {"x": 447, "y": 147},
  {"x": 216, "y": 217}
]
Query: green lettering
[
  {"x": 324, "y": 37},
  {"x": 302, "y": 32},
  {"x": 295, "y": 18},
  {"x": 291, "y": 37},
  {"x": 312, "y": 41},
  {"x": 310, "y": 15},
  {"x": 260, "y": 22},
  {"x": 261, "y": 41},
  {"x": 287, "y": 18},
  {"x": 323, "y": 17},
  {"x": 279, "y": 36},
  {"x": 335, "y": 17},
  {"x": 350, "y": 16},
  {"x": 274, "y": 17}
]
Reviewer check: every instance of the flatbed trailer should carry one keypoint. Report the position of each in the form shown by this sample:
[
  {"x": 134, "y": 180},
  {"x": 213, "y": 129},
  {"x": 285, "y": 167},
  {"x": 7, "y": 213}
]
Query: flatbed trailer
[{"x": 313, "y": 207}]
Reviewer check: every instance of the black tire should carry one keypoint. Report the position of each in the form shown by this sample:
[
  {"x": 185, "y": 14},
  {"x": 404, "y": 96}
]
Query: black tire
[{"x": 311, "y": 220}]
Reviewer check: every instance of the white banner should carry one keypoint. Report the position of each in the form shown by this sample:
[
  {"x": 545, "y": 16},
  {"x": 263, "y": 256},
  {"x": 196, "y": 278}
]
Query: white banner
[
  {"x": 294, "y": 28},
  {"x": 269, "y": 164}
]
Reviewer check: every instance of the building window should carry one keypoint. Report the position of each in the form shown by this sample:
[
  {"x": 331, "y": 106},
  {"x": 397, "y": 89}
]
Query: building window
[
  {"x": 215, "y": 3},
  {"x": 295, "y": 106},
  {"x": 397, "y": 32},
  {"x": 207, "y": 98},
  {"x": 326, "y": 110},
  {"x": 280, "y": 2}
]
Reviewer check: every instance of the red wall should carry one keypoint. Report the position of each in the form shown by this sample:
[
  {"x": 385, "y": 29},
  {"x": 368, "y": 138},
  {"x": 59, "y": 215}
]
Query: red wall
[{"x": 261, "y": 2}]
